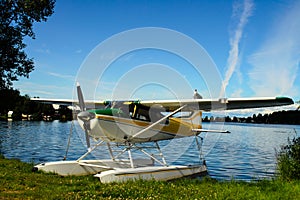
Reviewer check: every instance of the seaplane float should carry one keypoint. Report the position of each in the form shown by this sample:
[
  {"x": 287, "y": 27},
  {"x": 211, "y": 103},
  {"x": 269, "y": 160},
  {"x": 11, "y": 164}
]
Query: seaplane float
[{"x": 123, "y": 127}]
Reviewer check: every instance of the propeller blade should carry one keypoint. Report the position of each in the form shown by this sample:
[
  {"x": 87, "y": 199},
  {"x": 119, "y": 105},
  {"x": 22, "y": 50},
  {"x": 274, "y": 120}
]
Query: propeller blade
[
  {"x": 87, "y": 138},
  {"x": 84, "y": 116},
  {"x": 80, "y": 98}
]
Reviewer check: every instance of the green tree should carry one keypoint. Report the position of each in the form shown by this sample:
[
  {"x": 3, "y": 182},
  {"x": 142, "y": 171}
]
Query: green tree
[
  {"x": 8, "y": 97},
  {"x": 16, "y": 21}
]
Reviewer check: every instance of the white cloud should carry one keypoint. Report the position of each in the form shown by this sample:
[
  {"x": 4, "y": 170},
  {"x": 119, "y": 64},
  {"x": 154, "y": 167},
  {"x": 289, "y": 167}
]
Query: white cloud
[
  {"x": 43, "y": 51},
  {"x": 63, "y": 76},
  {"x": 41, "y": 90},
  {"x": 276, "y": 62},
  {"x": 242, "y": 12},
  {"x": 237, "y": 93}
]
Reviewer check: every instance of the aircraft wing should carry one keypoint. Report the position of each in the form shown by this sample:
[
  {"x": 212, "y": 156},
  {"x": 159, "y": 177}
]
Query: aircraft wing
[
  {"x": 221, "y": 104},
  {"x": 194, "y": 104},
  {"x": 90, "y": 104}
]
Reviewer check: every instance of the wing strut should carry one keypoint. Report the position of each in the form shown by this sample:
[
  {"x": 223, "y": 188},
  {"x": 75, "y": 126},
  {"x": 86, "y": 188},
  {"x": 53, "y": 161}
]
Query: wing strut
[{"x": 157, "y": 122}]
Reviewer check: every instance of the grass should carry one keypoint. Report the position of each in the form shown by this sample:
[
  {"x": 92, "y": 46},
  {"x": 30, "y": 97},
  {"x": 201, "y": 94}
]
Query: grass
[{"x": 19, "y": 182}]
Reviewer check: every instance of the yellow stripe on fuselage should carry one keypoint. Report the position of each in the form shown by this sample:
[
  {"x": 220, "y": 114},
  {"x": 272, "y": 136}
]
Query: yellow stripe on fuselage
[{"x": 175, "y": 125}]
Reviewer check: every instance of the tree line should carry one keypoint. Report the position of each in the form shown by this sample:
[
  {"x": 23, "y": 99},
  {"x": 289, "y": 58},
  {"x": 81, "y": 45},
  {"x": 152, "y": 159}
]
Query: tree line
[
  {"x": 278, "y": 117},
  {"x": 23, "y": 107}
]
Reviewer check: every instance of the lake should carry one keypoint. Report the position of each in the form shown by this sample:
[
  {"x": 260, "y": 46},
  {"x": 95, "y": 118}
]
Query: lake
[{"x": 247, "y": 153}]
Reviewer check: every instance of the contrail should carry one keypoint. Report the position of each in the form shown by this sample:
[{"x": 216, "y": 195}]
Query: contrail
[{"x": 246, "y": 10}]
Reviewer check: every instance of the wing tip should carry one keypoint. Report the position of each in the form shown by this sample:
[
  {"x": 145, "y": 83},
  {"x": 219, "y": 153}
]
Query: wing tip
[{"x": 284, "y": 99}]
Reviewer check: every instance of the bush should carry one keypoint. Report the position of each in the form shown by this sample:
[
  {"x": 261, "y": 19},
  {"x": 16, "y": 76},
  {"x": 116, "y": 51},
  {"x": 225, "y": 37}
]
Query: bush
[{"x": 288, "y": 160}]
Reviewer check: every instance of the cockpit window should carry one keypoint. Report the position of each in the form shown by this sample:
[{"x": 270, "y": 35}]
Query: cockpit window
[{"x": 183, "y": 114}]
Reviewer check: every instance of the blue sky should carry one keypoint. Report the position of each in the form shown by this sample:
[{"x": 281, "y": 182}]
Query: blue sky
[{"x": 255, "y": 46}]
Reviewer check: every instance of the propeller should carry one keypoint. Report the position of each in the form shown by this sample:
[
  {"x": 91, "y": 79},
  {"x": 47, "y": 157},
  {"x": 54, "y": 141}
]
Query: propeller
[{"x": 84, "y": 115}]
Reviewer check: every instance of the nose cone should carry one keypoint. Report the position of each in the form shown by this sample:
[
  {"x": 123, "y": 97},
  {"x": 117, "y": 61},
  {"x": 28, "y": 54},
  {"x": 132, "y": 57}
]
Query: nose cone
[{"x": 86, "y": 116}]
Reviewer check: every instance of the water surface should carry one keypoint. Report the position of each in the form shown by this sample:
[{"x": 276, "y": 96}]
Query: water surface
[{"x": 248, "y": 152}]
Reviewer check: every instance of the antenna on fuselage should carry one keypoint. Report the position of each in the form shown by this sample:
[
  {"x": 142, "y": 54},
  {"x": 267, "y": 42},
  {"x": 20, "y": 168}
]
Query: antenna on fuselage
[{"x": 197, "y": 95}]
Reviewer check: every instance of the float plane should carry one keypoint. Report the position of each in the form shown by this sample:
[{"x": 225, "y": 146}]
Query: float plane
[{"x": 127, "y": 126}]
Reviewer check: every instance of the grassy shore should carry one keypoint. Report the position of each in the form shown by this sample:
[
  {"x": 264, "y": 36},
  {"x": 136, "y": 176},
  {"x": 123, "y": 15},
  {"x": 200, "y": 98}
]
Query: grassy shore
[{"x": 19, "y": 182}]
